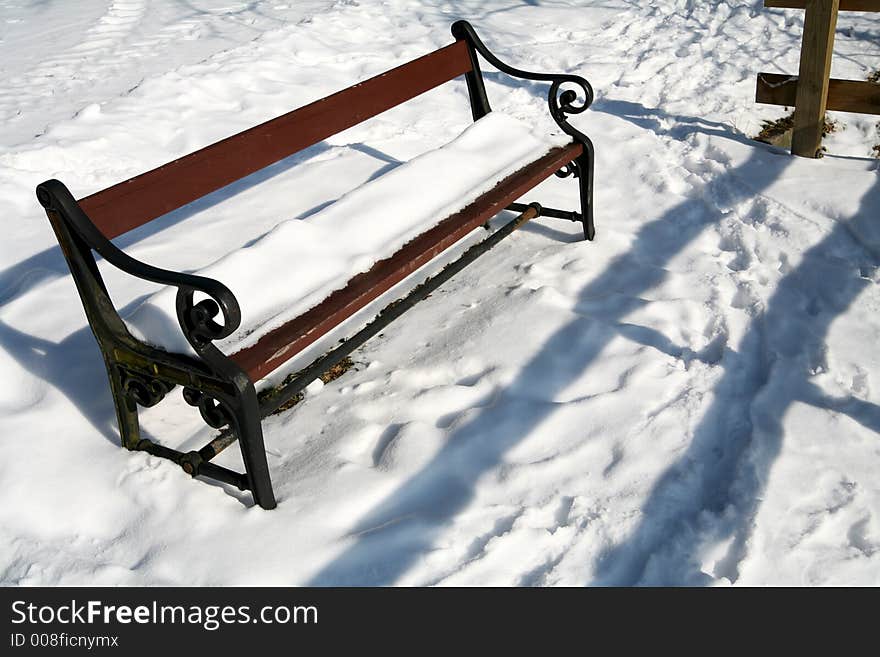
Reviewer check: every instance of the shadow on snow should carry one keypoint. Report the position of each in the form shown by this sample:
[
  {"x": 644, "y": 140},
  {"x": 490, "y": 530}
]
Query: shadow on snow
[
  {"x": 713, "y": 490},
  {"x": 398, "y": 532}
]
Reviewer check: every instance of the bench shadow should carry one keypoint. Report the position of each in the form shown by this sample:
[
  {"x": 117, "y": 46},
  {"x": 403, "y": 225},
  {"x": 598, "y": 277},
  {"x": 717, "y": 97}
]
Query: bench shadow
[
  {"x": 551, "y": 233},
  {"x": 49, "y": 264},
  {"x": 400, "y": 531},
  {"x": 713, "y": 491},
  {"x": 73, "y": 366},
  {"x": 76, "y": 378},
  {"x": 658, "y": 121}
]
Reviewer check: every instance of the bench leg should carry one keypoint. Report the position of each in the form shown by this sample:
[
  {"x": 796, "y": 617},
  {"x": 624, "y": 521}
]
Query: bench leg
[
  {"x": 126, "y": 410},
  {"x": 585, "y": 183},
  {"x": 246, "y": 424},
  {"x": 236, "y": 407}
]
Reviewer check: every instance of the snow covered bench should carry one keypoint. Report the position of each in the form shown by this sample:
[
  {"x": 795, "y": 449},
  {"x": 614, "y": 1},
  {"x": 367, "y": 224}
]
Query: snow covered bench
[{"x": 393, "y": 225}]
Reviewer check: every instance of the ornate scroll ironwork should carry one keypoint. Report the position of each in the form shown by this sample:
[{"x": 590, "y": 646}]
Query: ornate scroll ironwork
[
  {"x": 562, "y": 102},
  {"x": 571, "y": 169},
  {"x": 199, "y": 327},
  {"x": 215, "y": 413},
  {"x": 147, "y": 391}
]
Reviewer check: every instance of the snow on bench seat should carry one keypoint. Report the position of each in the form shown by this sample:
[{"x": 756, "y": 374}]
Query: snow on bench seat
[{"x": 320, "y": 254}]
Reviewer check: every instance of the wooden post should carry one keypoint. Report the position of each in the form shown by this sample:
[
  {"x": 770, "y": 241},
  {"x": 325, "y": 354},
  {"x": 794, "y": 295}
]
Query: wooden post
[{"x": 820, "y": 22}]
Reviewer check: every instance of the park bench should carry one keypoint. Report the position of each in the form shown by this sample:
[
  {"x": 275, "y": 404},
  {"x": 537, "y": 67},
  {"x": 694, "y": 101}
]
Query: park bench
[{"x": 218, "y": 363}]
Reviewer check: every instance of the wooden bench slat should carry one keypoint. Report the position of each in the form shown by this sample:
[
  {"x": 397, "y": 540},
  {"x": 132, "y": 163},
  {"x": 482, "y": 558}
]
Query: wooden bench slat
[
  {"x": 134, "y": 202},
  {"x": 281, "y": 344}
]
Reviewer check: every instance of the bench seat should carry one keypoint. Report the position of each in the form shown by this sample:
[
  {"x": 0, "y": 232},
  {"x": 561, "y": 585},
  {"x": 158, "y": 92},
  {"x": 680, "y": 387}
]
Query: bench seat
[{"x": 300, "y": 262}]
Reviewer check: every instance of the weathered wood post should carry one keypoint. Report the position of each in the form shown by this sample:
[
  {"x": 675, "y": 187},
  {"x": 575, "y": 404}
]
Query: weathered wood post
[
  {"x": 815, "y": 69},
  {"x": 811, "y": 92}
]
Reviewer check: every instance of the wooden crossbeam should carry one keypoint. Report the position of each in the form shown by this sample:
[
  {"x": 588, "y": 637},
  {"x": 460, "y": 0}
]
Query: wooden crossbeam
[
  {"x": 813, "y": 91},
  {"x": 845, "y": 5},
  {"x": 843, "y": 95}
]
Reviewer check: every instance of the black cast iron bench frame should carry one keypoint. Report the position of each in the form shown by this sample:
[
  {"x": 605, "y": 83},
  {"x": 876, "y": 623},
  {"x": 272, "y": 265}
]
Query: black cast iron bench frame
[{"x": 221, "y": 385}]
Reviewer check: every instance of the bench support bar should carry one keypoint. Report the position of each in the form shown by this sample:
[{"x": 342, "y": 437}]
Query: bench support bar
[{"x": 553, "y": 213}]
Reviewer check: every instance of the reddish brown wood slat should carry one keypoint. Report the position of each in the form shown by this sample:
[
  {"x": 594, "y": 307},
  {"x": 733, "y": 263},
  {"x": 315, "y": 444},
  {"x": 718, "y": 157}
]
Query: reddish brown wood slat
[
  {"x": 283, "y": 343},
  {"x": 132, "y": 203},
  {"x": 843, "y": 95}
]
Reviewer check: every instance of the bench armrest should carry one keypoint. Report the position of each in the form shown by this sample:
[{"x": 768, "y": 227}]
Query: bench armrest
[
  {"x": 561, "y": 101},
  {"x": 196, "y": 319}
]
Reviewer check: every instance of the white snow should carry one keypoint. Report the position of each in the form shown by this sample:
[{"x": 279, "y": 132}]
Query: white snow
[
  {"x": 300, "y": 262},
  {"x": 690, "y": 399}
]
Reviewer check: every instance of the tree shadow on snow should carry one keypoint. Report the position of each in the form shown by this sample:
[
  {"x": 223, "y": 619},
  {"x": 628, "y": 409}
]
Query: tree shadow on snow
[
  {"x": 713, "y": 491},
  {"x": 397, "y": 533}
]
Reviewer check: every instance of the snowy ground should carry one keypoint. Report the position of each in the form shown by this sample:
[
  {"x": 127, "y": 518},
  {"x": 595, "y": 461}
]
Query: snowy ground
[{"x": 691, "y": 399}]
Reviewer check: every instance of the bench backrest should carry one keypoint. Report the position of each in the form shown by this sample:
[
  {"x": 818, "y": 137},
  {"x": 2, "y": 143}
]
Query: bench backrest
[{"x": 134, "y": 202}]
